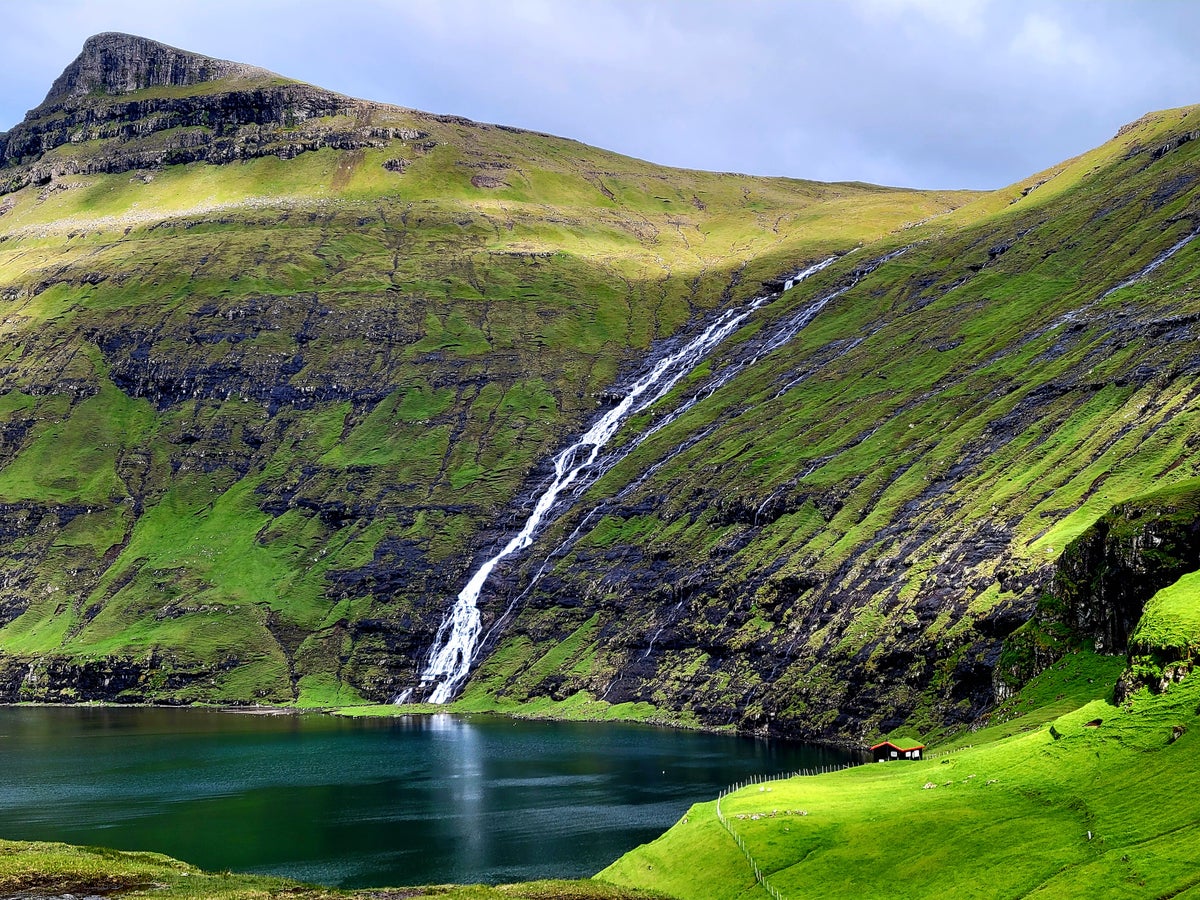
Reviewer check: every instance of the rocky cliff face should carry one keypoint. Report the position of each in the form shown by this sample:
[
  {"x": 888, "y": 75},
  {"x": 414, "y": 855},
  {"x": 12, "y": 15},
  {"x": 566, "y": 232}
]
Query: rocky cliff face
[
  {"x": 1106, "y": 576},
  {"x": 115, "y": 63},
  {"x": 1100, "y": 585},
  {"x": 107, "y": 97}
]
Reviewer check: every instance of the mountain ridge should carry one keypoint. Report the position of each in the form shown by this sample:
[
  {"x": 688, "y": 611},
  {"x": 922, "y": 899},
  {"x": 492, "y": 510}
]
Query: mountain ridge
[
  {"x": 128, "y": 102},
  {"x": 271, "y": 391},
  {"x": 339, "y": 383}
]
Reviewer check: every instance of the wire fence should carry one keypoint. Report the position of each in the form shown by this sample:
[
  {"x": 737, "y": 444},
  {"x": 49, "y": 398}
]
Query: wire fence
[{"x": 759, "y": 875}]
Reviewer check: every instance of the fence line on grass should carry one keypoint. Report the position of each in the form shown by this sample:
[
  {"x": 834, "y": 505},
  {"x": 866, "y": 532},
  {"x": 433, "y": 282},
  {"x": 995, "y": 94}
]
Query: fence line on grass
[{"x": 759, "y": 875}]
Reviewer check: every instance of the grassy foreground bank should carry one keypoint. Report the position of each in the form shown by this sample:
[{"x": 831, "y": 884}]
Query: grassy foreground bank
[{"x": 43, "y": 869}]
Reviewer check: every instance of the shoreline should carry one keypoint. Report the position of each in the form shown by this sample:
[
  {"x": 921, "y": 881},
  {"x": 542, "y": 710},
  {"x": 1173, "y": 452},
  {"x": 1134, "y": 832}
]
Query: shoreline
[{"x": 386, "y": 711}]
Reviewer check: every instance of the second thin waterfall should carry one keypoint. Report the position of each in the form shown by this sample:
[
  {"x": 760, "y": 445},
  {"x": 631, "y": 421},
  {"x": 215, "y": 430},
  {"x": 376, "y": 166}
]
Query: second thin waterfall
[{"x": 458, "y": 637}]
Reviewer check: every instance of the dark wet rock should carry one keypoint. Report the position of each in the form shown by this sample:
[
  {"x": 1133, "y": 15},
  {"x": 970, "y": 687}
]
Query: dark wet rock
[
  {"x": 1106, "y": 575},
  {"x": 222, "y": 358},
  {"x": 490, "y": 182},
  {"x": 114, "y": 679},
  {"x": 1173, "y": 143}
]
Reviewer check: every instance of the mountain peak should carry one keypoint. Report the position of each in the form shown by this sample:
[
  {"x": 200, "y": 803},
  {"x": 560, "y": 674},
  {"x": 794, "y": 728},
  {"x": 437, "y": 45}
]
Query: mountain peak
[{"x": 116, "y": 63}]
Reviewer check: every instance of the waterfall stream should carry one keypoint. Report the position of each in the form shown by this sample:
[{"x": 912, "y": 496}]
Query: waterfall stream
[
  {"x": 1154, "y": 263},
  {"x": 457, "y": 639}
]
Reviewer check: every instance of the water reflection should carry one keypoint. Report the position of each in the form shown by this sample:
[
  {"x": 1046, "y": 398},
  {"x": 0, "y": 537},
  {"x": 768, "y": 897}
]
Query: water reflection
[{"x": 363, "y": 803}]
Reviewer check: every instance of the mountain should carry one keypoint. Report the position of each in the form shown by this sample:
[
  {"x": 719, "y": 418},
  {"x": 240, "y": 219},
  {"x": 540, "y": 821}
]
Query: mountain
[
  {"x": 283, "y": 369},
  {"x": 855, "y": 531},
  {"x": 127, "y": 103},
  {"x": 279, "y": 364}
]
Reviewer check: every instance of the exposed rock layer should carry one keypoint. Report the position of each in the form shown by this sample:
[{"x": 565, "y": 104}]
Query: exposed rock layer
[
  {"x": 104, "y": 102},
  {"x": 116, "y": 63}
]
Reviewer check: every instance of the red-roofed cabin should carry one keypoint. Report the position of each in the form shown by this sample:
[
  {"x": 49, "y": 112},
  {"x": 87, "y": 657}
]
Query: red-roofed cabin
[{"x": 887, "y": 751}]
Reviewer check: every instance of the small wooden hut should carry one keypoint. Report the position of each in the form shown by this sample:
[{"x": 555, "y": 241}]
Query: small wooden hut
[{"x": 888, "y": 751}]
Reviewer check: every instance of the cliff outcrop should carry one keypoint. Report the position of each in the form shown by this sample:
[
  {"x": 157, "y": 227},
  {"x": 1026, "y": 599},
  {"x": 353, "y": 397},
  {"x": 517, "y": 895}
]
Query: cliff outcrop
[
  {"x": 1099, "y": 588},
  {"x": 123, "y": 105},
  {"x": 1106, "y": 576},
  {"x": 116, "y": 63}
]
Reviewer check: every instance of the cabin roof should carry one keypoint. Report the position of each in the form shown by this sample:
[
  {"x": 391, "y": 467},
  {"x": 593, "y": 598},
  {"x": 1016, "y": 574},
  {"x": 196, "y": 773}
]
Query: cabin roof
[{"x": 905, "y": 747}]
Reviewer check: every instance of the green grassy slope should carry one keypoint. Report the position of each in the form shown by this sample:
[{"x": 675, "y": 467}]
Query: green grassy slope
[
  {"x": 258, "y": 417},
  {"x": 1080, "y": 783},
  {"x": 840, "y": 539},
  {"x": 1041, "y": 804}
]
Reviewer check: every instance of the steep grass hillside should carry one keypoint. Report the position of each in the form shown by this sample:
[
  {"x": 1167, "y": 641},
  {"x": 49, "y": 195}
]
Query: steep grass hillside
[
  {"x": 1063, "y": 795},
  {"x": 277, "y": 364},
  {"x": 840, "y": 539}
]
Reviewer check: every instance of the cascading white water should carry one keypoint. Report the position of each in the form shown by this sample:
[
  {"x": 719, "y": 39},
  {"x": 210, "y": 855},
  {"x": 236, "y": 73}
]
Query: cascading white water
[
  {"x": 450, "y": 658},
  {"x": 1076, "y": 315},
  {"x": 1154, "y": 263},
  {"x": 794, "y": 280}
]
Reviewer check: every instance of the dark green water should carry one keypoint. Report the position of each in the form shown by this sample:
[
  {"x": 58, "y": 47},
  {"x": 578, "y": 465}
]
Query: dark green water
[{"x": 363, "y": 803}]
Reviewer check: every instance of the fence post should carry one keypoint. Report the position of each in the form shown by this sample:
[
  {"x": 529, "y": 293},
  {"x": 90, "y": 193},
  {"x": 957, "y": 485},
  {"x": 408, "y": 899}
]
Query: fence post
[{"x": 759, "y": 877}]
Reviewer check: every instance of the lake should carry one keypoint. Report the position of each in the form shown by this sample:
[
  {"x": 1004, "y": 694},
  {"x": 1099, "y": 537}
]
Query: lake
[{"x": 364, "y": 802}]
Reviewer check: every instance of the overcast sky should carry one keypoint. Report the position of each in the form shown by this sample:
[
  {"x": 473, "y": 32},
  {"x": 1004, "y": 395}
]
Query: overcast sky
[{"x": 924, "y": 93}]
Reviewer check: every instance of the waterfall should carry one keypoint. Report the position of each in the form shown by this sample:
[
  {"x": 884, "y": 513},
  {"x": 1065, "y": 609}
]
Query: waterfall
[
  {"x": 454, "y": 647},
  {"x": 1154, "y": 263},
  {"x": 795, "y": 279},
  {"x": 1077, "y": 315}
]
